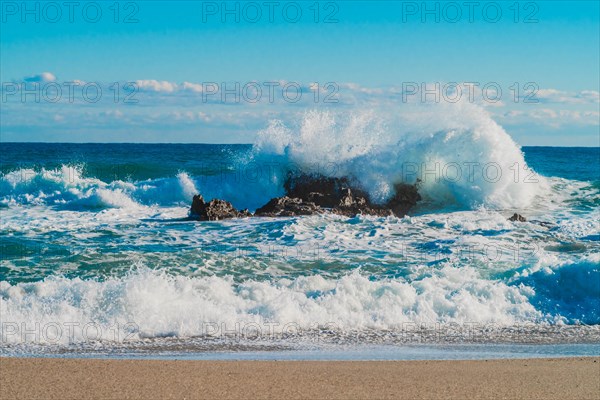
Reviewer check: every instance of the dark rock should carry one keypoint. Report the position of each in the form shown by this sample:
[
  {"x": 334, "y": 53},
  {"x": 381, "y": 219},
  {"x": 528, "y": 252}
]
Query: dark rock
[
  {"x": 405, "y": 198},
  {"x": 198, "y": 205},
  {"x": 342, "y": 198},
  {"x": 517, "y": 217},
  {"x": 215, "y": 210},
  {"x": 320, "y": 199},
  {"x": 319, "y": 189},
  {"x": 287, "y": 207},
  {"x": 323, "y": 191},
  {"x": 351, "y": 205},
  {"x": 309, "y": 195}
]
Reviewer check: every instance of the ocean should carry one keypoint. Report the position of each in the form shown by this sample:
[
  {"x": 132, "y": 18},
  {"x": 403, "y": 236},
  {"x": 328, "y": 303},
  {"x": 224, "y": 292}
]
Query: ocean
[{"x": 99, "y": 256}]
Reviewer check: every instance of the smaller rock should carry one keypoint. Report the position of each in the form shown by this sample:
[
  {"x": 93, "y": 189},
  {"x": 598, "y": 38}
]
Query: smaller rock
[
  {"x": 517, "y": 217},
  {"x": 214, "y": 210}
]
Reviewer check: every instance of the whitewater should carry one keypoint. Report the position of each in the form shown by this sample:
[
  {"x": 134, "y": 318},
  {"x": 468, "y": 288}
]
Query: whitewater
[{"x": 97, "y": 249}]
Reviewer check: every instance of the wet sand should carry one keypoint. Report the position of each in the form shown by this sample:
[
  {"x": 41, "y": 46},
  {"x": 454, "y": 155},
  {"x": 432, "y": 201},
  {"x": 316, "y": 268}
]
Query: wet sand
[{"x": 53, "y": 378}]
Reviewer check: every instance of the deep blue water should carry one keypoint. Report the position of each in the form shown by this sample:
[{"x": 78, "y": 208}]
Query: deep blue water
[
  {"x": 110, "y": 161},
  {"x": 579, "y": 163}
]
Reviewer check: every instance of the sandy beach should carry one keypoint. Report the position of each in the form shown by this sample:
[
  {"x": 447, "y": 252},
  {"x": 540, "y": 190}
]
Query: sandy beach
[{"x": 565, "y": 378}]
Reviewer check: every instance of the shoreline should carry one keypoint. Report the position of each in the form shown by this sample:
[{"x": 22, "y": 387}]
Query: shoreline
[{"x": 543, "y": 378}]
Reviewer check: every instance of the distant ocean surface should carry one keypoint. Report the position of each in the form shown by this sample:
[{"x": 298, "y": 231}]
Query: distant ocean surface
[{"x": 98, "y": 253}]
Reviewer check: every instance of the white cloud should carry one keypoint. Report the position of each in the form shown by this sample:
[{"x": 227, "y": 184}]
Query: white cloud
[
  {"x": 551, "y": 117},
  {"x": 591, "y": 95},
  {"x": 44, "y": 77},
  {"x": 354, "y": 87},
  {"x": 156, "y": 86},
  {"x": 117, "y": 114},
  {"x": 192, "y": 87},
  {"x": 558, "y": 96}
]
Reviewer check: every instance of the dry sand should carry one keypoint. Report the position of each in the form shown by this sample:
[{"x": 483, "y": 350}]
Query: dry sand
[{"x": 45, "y": 378}]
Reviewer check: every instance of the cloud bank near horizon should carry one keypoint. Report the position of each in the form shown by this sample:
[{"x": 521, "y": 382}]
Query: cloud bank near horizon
[{"x": 43, "y": 107}]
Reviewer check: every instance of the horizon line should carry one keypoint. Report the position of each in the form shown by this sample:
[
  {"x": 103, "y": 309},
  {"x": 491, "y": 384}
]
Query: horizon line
[{"x": 234, "y": 144}]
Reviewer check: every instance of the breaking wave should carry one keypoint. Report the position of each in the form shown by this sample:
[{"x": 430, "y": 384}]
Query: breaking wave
[
  {"x": 154, "y": 304},
  {"x": 459, "y": 155}
]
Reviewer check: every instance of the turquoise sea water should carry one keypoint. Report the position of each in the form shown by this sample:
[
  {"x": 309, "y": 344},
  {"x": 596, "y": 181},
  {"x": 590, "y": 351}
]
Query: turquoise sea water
[{"x": 97, "y": 250}]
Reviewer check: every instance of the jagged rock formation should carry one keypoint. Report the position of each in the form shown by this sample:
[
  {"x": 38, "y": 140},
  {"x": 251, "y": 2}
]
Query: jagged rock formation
[
  {"x": 215, "y": 210},
  {"x": 309, "y": 195}
]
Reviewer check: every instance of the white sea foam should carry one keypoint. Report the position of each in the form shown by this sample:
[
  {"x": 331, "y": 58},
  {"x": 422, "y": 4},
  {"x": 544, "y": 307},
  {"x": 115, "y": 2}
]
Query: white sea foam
[
  {"x": 153, "y": 304},
  {"x": 66, "y": 186}
]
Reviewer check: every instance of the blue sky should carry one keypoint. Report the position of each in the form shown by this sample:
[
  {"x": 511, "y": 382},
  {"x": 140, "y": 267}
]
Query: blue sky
[{"x": 368, "y": 49}]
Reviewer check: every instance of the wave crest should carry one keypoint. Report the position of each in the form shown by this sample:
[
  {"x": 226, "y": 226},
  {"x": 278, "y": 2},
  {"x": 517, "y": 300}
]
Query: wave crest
[{"x": 460, "y": 155}]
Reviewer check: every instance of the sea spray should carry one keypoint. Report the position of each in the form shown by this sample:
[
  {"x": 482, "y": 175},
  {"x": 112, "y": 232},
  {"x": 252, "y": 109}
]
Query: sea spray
[{"x": 459, "y": 154}]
